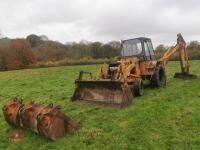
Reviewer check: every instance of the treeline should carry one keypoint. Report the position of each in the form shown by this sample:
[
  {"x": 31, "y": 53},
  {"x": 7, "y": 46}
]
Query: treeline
[
  {"x": 39, "y": 51},
  {"x": 47, "y": 50}
]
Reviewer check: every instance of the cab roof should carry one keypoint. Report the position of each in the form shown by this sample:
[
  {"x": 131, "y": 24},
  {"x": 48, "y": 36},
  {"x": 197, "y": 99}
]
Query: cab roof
[{"x": 139, "y": 38}]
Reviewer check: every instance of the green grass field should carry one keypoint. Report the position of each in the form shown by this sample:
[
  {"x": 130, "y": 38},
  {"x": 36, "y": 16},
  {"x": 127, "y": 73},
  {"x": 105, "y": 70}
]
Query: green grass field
[{"x": 165, "y": 118}]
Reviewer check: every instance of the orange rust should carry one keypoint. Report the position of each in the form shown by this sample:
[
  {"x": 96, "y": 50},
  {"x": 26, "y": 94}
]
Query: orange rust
[{"x": 48, "y": 121}]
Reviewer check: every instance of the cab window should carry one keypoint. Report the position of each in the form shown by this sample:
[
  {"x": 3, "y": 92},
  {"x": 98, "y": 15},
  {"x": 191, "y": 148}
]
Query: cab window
[
  {"x": 146, "y": 49},
  {"x": 150, "y": 46},
  {"x": 131, "y": 48}
]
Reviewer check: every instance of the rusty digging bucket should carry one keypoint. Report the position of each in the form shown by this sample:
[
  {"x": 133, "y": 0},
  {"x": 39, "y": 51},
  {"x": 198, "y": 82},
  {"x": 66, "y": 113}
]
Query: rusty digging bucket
[
  {"x": 102, "y": 92},
  {"x": 185, "y": 76},
  {"x": 48, "y": 121}
]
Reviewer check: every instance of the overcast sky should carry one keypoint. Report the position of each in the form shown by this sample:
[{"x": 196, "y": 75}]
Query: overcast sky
[{"x": 101, "y": 20}]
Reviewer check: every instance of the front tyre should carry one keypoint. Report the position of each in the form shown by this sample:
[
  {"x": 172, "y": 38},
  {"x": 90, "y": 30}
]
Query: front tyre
[
  {"x": 159, "y": 77},
  {"x": 138, "y": 87}
]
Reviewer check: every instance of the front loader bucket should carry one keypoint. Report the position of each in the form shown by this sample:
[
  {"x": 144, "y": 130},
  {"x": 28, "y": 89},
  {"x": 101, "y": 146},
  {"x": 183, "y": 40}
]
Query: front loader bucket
[
  {"x": 186, "y": 76},
  {"x": 103, "y": 92}
]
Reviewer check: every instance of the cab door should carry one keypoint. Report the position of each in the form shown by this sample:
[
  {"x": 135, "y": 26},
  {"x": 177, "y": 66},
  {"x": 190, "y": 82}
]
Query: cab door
[
  {"x": 148, "y": 65},
  {"x": 148, "y": 49}
]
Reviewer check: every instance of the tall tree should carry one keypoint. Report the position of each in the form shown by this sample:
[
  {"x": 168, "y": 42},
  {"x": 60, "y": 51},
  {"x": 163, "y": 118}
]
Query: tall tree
[
  {"x": 2, "y": 59},
  {"x": 19, "y": 55},
  {"x": 34, "y": 40}
]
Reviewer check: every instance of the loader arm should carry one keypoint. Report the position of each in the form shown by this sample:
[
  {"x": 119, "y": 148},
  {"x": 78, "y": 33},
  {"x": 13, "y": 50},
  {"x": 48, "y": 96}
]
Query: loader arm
[{"x": 183, "y": 55}]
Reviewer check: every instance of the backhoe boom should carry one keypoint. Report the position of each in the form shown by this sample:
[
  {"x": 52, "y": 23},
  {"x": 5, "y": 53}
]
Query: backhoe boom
[{"x": 183, "y": 57}]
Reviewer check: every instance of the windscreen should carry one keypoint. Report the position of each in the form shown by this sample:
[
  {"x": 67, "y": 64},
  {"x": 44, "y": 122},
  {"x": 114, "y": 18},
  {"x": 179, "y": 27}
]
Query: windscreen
[{"x": 131, "y": 47}]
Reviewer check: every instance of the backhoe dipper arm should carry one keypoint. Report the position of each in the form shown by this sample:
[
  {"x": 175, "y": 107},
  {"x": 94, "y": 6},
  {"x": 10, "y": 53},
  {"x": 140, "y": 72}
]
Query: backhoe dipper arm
[{"x": 183, "y": 55}]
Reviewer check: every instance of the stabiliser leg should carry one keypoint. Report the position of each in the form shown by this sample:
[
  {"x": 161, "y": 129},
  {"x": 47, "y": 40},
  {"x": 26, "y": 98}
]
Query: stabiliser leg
[{"x": 186, "y": 76}]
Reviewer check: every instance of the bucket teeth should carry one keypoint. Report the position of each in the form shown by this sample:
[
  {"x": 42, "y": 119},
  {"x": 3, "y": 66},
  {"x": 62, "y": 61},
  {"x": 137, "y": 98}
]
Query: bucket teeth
[{"x": 48, "y": 121}]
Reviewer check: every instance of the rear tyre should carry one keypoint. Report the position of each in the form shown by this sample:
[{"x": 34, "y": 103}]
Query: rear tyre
[
  {"x": 159, "y": 77},
  {"x": 138, "y": 87}
]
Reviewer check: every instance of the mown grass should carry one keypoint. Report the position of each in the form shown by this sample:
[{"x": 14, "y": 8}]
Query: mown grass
[{"x": 165, "y": 118}]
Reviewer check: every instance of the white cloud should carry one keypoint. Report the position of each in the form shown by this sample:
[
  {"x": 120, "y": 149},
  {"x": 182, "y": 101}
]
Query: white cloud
[{"x": 103, "y": 20}]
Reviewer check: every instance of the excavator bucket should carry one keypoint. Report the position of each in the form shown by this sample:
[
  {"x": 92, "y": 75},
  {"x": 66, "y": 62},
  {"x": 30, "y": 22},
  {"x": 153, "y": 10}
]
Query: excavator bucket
[
  {"x": 102, "y": 92},
  {"x": 48, "y": 121},
  {"x": 186, "y": 76}
]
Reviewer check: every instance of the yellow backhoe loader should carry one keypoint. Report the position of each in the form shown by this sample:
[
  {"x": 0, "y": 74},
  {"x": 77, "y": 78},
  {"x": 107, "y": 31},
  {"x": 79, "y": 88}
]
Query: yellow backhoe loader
[{"x": 117, "y": 84}]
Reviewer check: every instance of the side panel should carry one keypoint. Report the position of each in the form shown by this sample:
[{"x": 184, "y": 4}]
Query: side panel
[{"x": 148, "y": 67}]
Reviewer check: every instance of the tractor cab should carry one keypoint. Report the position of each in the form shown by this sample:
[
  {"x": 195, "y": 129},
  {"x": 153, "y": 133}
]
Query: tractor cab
[{"x": 139, "y": 47}]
